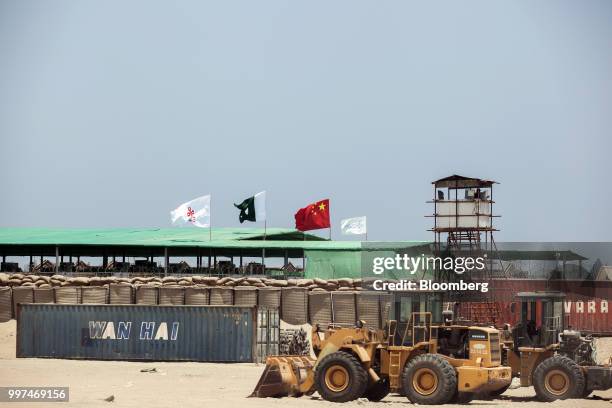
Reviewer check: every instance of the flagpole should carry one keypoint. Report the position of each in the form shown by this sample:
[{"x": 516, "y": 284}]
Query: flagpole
[
  {"x": 263, "y": 251},
  {"x": 210, "y": 219}
]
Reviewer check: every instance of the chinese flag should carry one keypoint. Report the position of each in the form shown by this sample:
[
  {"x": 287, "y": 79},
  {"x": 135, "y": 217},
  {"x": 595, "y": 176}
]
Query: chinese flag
[{"x": 314, "y": 216}]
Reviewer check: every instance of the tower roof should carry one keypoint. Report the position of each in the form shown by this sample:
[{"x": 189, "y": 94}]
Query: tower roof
[{"x": 457, "y": 181}]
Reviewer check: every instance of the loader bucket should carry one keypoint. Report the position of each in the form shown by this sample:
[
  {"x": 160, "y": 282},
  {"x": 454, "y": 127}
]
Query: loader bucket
[{"x": 285, "y": 376}]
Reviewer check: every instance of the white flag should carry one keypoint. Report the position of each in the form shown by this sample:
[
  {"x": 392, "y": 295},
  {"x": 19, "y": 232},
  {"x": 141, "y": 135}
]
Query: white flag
[
  {"x": 195, "y": 212},
  {"x": 353, "y": 226}
]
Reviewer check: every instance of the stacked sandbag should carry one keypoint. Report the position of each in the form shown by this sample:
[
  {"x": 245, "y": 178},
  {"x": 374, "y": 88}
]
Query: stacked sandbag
[
  {"x": 245, "y": 296},
  {"x": 226, "y": 281},
  {"x": 169, "y": 280},
  {"x": 185, "y": 281},
  {"x": 269, "y": 297},
  {"x": 255, "y": 282},
  {"x": 67, "y": 295},
  {"x": 79, "y": 281},
  {"x": 368, "y": 309},
  {"x": 294, "y": 305},
  {"x": 320, "y": 308},
  {"x": 57, "y": 280},
  {"x": 220, "y": 295},
  {"x": 147, "y": 294},
  {"x": 44, "y": 295},
  {"x": 171, "y": 295},
  {"x": 94, "y": 295},
  {"x": 120, "y": 294},
  {"x": 198, "y": 295},
  {"x": 4, "y": 279},
  {"x": 291, "y": 296},
  {"x": 22, "y": 294},
  {"x": 343, "y": 307},
  {"x": 340, "y": 284},
  {"x": 206, "y": 280},
  {"x": 6, "y": 304},
  {"x": 277, "y": 283},
  {"x": 42, "y": 281}
]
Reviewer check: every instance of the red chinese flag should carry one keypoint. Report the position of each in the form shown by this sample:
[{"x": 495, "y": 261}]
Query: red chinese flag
[{"x": 315, "y": 216}]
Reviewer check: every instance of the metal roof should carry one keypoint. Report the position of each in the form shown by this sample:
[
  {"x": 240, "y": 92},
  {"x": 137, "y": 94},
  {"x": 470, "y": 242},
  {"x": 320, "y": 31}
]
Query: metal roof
[
  {"x": 541, "y": 295},
  {"x": 153, "y": 241},
  {"x": 166, "y": 237},
  {"x": 457, "y": 181},
  {"x": 540, "y": 255}
]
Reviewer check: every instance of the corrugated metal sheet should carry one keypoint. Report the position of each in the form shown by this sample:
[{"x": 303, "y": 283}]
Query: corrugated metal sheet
[
  {"x": 268, "y": 333},
  {"x": 137, "y": 332},
  {"x": 158, "y": 237},
  {"x": 6, "y": 304},
  {"x": 586, "y": 303}
]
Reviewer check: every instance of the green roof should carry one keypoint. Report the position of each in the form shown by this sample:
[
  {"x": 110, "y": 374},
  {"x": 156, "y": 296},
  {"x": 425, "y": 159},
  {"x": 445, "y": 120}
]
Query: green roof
[
  {"x": 144, "y": 236},
  {"x": 93, "y": 242}
]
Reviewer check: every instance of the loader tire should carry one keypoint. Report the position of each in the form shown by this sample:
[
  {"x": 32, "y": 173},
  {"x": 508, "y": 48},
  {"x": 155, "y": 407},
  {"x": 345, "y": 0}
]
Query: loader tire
[
  {"x": 340, "y": 377},
  {"x": 586, "y": 392},
  {"x": 378, "y": 390},
  {"x": 429, "y": 379},
  {"x": 558, "y": 377}
]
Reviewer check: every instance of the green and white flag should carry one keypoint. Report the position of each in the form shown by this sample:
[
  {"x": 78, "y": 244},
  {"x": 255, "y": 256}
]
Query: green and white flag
[{"x": 253, "y": 208}]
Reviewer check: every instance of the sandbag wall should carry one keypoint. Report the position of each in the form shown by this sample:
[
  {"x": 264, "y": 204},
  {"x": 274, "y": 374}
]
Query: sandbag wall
[{"x": 299, "y": 301}]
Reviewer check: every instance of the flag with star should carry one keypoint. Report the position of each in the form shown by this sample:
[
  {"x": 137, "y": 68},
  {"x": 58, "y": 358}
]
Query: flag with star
[{"x": 314, "y": 216}]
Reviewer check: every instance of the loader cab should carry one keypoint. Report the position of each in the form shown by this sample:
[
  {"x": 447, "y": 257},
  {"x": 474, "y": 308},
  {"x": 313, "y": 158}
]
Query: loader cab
[
  {"x": 540, "y": 319},
  {"x": 415, "y": 313}
]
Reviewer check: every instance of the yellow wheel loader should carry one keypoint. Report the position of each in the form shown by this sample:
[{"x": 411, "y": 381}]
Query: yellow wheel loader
[
  {"x": 559, "y": 363},
  {"x": 427, "y": 363}
]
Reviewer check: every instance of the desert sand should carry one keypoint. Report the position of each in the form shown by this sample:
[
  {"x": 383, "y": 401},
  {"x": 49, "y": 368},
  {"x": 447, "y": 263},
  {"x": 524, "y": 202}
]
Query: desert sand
[{"x": 197, "y": 384}]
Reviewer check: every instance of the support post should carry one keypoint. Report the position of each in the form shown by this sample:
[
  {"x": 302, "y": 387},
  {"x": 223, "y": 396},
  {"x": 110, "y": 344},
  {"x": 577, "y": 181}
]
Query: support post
[
  {"x": 56, "y": 259},
  {"x": 209, "y": 256},
  {"x": 166, "y": 261},
  {"x": 263, "y": 259}
]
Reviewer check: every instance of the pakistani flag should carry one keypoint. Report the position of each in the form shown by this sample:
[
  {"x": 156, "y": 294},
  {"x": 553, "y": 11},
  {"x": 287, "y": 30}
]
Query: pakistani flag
[{"x": 253, "y": 208}]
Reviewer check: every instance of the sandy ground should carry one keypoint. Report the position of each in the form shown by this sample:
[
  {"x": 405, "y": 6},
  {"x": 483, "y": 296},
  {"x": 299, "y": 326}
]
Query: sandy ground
[{"x": 196, "y": 384}]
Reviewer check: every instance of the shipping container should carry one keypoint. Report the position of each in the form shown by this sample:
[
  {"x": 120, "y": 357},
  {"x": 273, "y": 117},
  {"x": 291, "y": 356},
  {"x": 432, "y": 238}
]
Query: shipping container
[
  {"x": 143, "y": 332},
  {"x": 586, "y": 304}
]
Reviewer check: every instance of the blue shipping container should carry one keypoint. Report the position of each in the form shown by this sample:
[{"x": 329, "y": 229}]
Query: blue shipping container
[{"x": 137, "y": 332}]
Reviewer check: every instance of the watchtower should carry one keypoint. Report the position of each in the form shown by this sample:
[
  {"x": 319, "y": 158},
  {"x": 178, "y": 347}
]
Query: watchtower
[
  {"x": 463, "y": 227},
  {"x": 463, "y": 213}
]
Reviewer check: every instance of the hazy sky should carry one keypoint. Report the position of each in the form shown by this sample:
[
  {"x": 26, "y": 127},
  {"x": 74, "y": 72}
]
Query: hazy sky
[{"x": 114, "y": 112}]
